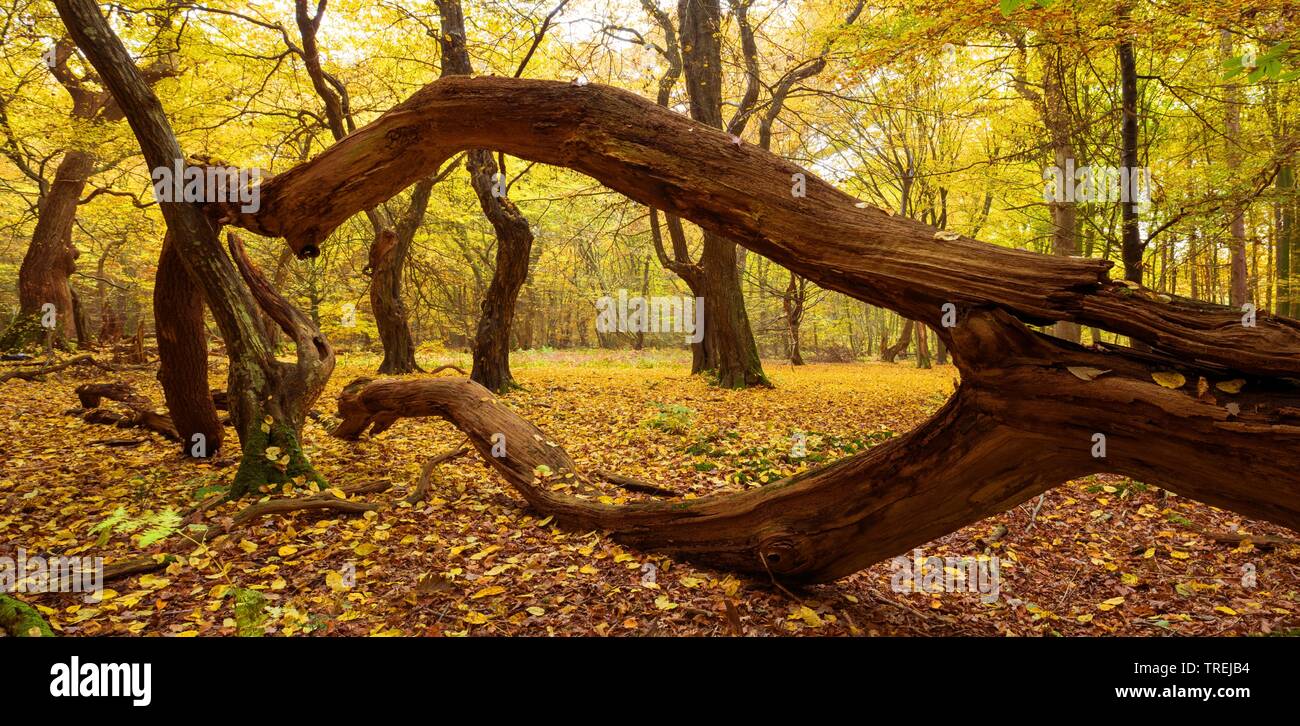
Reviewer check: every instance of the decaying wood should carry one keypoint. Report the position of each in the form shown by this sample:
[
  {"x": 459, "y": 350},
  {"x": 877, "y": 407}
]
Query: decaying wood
[
  {"x": 1262, "y": 541},
  {"x": 1025, "y": 417},
  {"x": 136, "y": 410}
]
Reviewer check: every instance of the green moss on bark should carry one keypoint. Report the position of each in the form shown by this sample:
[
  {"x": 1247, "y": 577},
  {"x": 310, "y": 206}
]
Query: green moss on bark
[
  {"x": 272, "y": 457},
  {"x": 24, "y": 334},
  {"x": 21, "y": 620}
]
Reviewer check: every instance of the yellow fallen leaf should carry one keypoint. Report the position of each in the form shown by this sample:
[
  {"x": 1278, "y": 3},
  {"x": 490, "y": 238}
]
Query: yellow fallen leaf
[
  {"x": 1233, "y": 386},
  {"x": 1085, "y": 373},
  {"x": 487, "y": 592},
  {"x": 1169, "y": 379},
  {"x": 663, "y": 603},
  {"x": 287, "y": 550},
  {"x": 1226, "y": 610},
  {"x": 808, "y": 616},
  {"x": 536, "y": 611}
]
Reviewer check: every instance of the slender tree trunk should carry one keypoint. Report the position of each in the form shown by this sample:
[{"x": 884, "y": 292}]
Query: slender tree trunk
[
  {"x": 792, "y": 303},
  {"x": 922, "y": 348},
  {"x": 1059, "y": 120},
  {"x": 1131, "y": 246},
  {"x": 387, "y": 264},
  {"x": 1238, "y": 293},
  {"x": 1288, "y": 243},
  {"x": 183, "y": 355},
  {"x": 514, "y": 237},
  {"x": 729, "y": 352}
]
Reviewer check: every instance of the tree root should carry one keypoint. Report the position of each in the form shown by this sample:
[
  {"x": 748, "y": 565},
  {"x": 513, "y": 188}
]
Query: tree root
[{"x": 428, "y": 475}]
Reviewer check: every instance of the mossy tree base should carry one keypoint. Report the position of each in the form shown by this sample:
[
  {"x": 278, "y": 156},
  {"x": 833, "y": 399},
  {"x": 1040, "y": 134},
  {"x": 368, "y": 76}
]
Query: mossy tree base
[
  {"x": 21, "y": 620},
  {"x": 272, "y": 457},
  {"x": 26, "y": 335}
]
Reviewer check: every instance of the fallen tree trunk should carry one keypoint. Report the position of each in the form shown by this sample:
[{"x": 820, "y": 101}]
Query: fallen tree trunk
[
  {"x": 139, "y": 410},
  {"x": 1209, "y": 407}
]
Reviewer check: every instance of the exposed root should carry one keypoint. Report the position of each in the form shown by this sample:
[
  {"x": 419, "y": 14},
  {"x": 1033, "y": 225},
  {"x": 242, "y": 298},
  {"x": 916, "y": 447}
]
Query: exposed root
[{"x": 428, "y": 474}]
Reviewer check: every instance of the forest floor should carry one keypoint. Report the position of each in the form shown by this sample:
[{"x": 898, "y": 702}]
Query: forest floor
[{"x": 1104, "y": 555}]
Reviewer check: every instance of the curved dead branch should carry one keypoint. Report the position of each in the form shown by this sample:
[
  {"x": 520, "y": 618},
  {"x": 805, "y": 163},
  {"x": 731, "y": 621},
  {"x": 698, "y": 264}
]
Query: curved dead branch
[
  {"x": 1030, "y": 413},
  {"x": 667, "y": 161}
]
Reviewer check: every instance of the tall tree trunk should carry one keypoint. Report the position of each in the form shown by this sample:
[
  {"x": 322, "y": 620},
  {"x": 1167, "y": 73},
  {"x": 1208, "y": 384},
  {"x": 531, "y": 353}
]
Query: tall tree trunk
[
  {"x": 922, "y": 348},
  {"x": 730, "y": 352},
  {"x": 1131, "y": 246},
  {"x": 1238, "y": 294},
  {"x": 1288, "y": 243},
  {"x": 1060, "y": 128},
  {"x": 389, "y": 248},
  {"x": 491, "y": 353},
  {"x": 792, "y": 304},
  {"x": 183, "y": 355},
  {"x": 387, "y": 263}
]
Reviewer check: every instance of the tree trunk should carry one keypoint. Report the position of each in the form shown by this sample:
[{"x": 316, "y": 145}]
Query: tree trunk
[
  {"x": 514, "y": 237},
  {"x": 922, "y": 348},
  {"x": 51, "y": 258},
  {"x": 1131, "y": 247},
  {"x": 1237, "y": 292},
  {"x": 389, "y": 249},
  {"x": 729, "y": 351},
  {"x": 1288, "y": 243},
  {"x": 890, "y": 353},
  {"x": 1060, "y": 121},
  {"x": 183, "y": 355},
  {"x": 792, "y": 303},
  {"x": 387, "y": 262}
]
